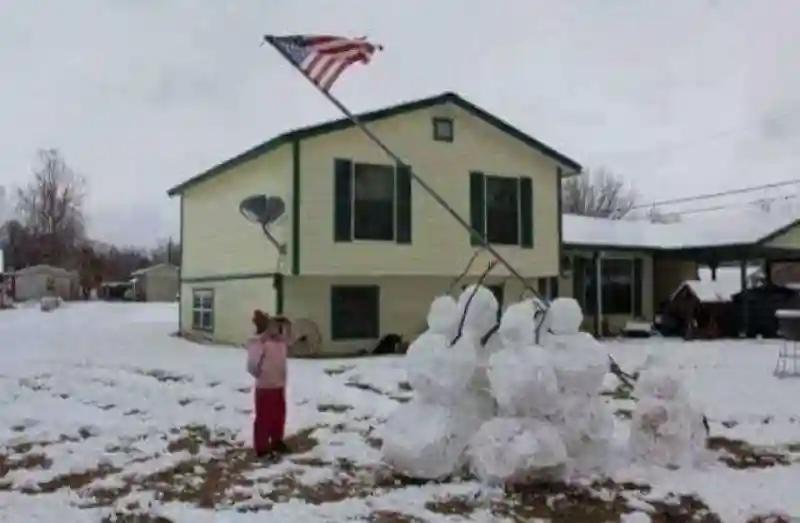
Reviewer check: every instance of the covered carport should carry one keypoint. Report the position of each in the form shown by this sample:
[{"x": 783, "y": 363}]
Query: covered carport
[
  {"x": 671, "y": 251},
  {"x": 764, "y": 247}
]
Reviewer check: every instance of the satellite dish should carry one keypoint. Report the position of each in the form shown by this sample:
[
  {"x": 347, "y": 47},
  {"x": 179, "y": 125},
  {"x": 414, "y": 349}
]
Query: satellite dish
[
  {"x": 262, "y": 209},
  {"x": 265, "y": 211}
]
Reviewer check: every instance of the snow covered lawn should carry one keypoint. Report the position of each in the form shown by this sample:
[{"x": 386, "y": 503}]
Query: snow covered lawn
[{"x": 106, "y": 417}]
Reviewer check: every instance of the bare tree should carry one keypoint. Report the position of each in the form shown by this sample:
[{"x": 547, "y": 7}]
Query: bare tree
[
  {"x": 50, "y": 208},
  {"x": 167, "y": 251},
  {"x": 598, "y": 193}
]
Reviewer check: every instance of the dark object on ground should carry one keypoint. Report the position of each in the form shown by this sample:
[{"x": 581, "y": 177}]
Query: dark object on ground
[
  {"x": 762, "y": 303},
  {"x": 389, "y": 344}
]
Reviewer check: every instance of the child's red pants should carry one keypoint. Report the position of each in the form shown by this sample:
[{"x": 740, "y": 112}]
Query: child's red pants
[{"x": 270, "y": 408}]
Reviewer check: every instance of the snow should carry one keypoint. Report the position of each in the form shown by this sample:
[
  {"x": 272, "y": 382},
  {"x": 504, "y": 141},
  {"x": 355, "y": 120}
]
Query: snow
[
  {"x": 708, "y": 291},
  {"x": 724, "y": 228},
  {"x": 100, "y": 408}
]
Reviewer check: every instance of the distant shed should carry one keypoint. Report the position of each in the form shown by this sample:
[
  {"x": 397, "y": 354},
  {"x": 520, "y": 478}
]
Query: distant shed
[
  {"x": 704, "y": 309},
  {"x": 156, "y": 283}
]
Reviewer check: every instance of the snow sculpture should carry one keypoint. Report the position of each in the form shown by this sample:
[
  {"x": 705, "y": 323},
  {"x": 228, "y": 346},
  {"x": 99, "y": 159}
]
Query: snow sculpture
[
  {"x": 427, "y": 440},
  {"x": 426, "y": 437},
  {"x": 666, "y": 429},
  {"x": 523, "y": 381},
  {"x": 580, "y": 365},
  {"x": 523, "y": 444},
  {"x": 517, "y": 450},
  {"x": 443, "y": 316},
  {"x": 478, "y": 306},
  {"x": 515, "y": 410}
]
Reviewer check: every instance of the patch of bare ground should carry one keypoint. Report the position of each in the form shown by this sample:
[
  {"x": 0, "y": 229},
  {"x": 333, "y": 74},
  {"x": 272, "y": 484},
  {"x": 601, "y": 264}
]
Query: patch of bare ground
[
  {"x": 364, "y": 386},
  {"x": 770, "y": 518},
  {"x": 123, "y": 517},
  {"x": 387, "y": 516},
  {"x": 739, "y": 454},
  {"x": 207, "y": 483},
  {"x": 71, "y": 481},
  {"x": 165, "y": 376},
  {"x": 565, "y": 503},
  {"x": 333, "y": 408},
  {"x": 25, "y": 461},
  {"x": 21, "y": 457}
]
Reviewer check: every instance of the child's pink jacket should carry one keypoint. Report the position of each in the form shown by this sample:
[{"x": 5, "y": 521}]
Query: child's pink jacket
[{"x": 266, "y": 361}]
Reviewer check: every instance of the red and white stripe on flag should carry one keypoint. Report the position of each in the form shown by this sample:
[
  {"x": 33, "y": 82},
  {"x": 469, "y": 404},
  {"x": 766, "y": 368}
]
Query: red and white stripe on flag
[{"x": 324, "y": 58}]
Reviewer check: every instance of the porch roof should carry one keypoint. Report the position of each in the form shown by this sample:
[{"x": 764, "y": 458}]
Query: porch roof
[{"x": 725, "y": 237}]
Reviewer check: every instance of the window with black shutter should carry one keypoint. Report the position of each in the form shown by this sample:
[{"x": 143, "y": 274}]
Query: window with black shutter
[
  {"x": 372, "y": 202},
  {"x": 501, "y": 209}
]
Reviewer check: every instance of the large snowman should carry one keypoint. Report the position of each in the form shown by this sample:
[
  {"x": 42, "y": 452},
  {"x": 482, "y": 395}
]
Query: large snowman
[{"x": 426, "y": 437}]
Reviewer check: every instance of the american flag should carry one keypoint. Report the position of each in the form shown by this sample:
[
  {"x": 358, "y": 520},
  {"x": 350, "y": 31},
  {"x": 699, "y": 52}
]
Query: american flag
[{"x": 323, "y": 58}]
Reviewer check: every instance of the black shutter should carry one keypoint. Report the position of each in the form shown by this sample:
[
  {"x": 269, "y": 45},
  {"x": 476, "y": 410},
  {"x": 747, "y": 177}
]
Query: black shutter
[
  {"x": 637, "y": 287},
  {"x": 477, "y": 205},
  {"x": 403, "y": 204},
  {"x": 554, "y": 287},
  {"x": 526, "y": 211},
  {"x": 343, "y": 200},
  {"x": 579, "y": 281}
]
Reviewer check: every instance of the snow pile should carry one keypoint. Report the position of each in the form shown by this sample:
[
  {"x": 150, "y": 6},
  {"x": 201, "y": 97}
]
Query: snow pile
[
  {"x": 666, "y": 429},
  {"x": 517, "y": 450},
  {"x": 491, "y": 398}
]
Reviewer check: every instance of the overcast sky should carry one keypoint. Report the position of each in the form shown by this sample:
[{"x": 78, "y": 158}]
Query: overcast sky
[{"x": 679, "y": 96}]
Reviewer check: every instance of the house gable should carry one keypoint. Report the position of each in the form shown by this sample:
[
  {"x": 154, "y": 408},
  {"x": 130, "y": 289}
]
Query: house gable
[
  {"x": 570, "y": 165},
  {"x": 437, "y": 241}
]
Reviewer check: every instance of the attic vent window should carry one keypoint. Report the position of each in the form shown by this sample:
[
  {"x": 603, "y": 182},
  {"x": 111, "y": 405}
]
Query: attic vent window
[{"x": 443, "y": 129}]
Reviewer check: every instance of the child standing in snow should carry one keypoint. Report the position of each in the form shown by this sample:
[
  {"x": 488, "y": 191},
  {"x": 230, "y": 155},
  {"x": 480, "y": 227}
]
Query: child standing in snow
[{"x": 266, "y": 362}]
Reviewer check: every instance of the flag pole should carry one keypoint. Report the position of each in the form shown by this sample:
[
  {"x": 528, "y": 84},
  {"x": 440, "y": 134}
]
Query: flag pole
[{"x": 399, "y": 161}]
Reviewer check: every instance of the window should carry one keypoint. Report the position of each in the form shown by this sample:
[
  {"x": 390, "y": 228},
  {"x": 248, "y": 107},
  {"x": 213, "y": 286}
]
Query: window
[
  {"x": 372, "y": 202},
  {"x": 203, "y": 309},
  {"x": 355, "y": 312},
  {"x": 501, "y": 209},
  {"x": 443, "y": 129},
  {"x": 617, "y": 286}
]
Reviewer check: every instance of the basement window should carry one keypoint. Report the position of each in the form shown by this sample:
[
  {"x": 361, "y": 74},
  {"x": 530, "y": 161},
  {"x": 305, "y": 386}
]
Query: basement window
[{"x": 203, "y": 310}]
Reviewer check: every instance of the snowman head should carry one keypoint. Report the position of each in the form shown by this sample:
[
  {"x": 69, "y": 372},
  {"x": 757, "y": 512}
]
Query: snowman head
[
  {"x": 443, "y": 315},
  {"x": 478, "y": 306},
  {"x": 564, "y": 316}
]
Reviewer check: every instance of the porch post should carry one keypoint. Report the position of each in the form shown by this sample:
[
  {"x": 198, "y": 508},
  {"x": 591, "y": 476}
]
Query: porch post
[
  {"x": 598, "y": 317},
  {"x": 713, "y": 267},
  {"x": 745, "y": 307},
  {"x": 768, "y": 271}
]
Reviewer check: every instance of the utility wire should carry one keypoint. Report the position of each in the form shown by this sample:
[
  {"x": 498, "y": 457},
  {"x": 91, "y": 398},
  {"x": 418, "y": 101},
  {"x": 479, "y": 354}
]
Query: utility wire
[
  {"x": 708, "y": 196},
  {"x": 732, "y": 205}
]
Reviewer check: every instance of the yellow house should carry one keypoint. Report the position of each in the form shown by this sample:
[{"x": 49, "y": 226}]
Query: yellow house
[{"x": 367, "y": 248}]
